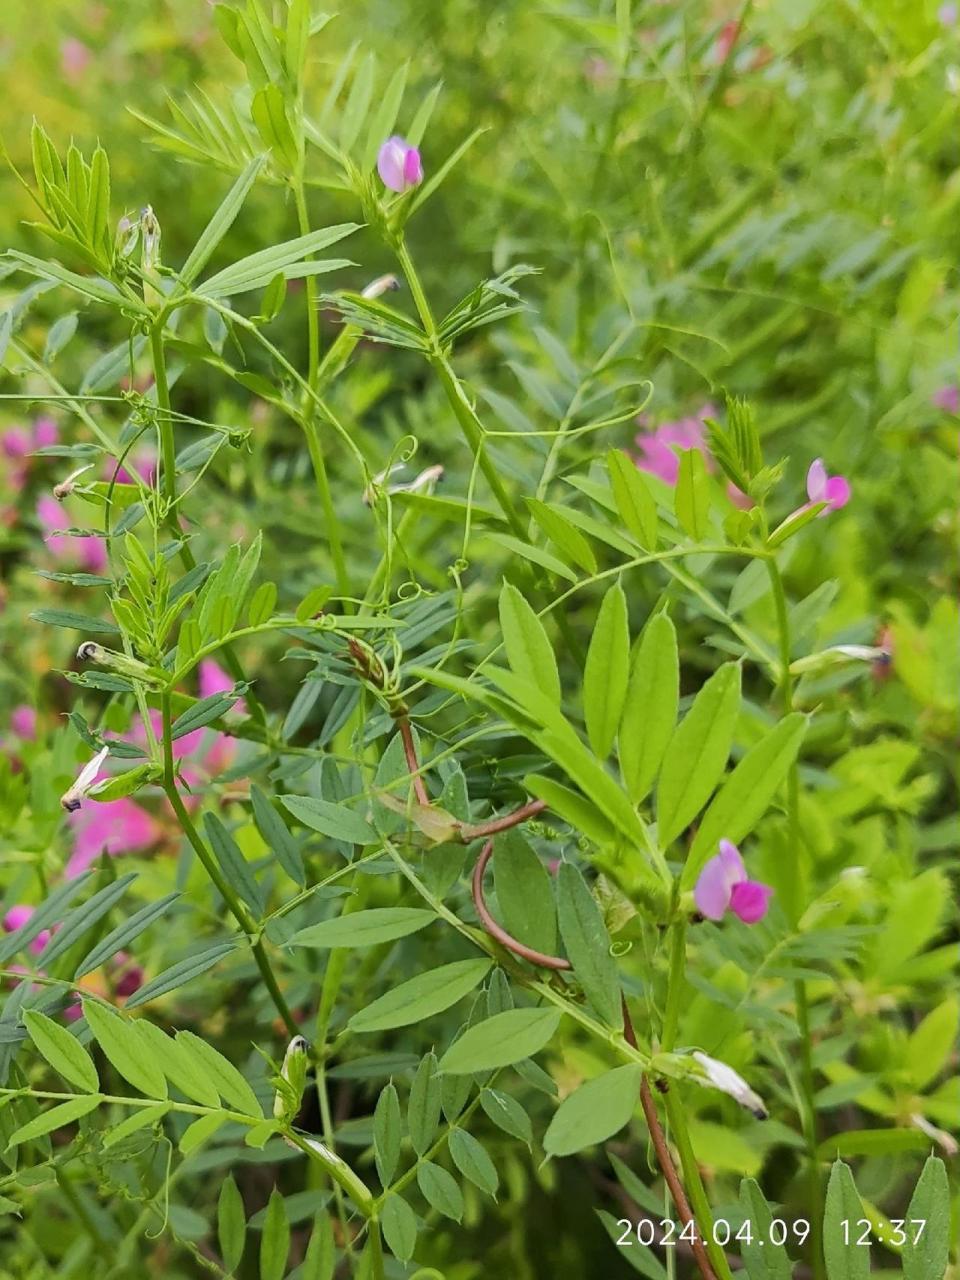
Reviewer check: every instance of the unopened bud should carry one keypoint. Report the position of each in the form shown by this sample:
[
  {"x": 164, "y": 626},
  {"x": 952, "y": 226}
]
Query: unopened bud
[
  {"x": 728, "y": 1081},
  {"x": 66, "y": 487},
  {"x": 85, "y": 779},
  {"x": 293, "y": 1077},
  {"x": 382, "y": 284}
]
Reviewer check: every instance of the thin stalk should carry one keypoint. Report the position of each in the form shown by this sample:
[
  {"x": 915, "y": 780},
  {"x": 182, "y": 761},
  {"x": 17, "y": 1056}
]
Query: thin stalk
[
  {"x": 675, "y": 982},
  {"x": 809, "y": 1115},
  {"x": 470, "y": 424},
  {"x": 314, "y": 446},
  {"x": 694, "y": 1183},
  {"x": 168, "y": 448},
  {"x": 236, "y": 907}
]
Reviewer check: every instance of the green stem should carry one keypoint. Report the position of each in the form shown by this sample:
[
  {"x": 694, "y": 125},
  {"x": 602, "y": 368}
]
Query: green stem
[
  {"x": 463, "y": 411},
  {"x": 693, "y": 1183},
  {"x": 675, "y": 983},
  {"x": 314, "y": 446},
  {"x": 168, "y": 449},
  {"x": 809, "y": 1115},
  {"x": 237, "y": 909}
]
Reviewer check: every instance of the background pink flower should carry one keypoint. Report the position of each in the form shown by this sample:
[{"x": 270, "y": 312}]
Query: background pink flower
[
  {"x": 90, "y": 553},
  {"x": 116, "y": 827}
]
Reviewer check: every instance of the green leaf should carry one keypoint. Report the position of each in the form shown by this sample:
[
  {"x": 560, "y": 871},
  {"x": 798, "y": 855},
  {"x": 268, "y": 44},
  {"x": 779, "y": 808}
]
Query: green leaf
[
  {"x": 55, "y": 1118},
  {"x": 140, "y": 1119},
  {"x": 524, "y": 893},
  {"x": 399, "y": 1224},
  {"x": 61, "y": 331},
  {"x": 588, "y": 945},
  {"x": 635, "y": 503},
  {"x": 334, "y": 820},
  {"x": 435, "y": 180},
  {"x": 507, "y": 1114},
  {"x": 501, "y": 1040},
  {"x": 529, "y": 651},
  {"x": 126, "y": 1050},
  {"x": 179, "y": 1067},
  {"x": 387, "y": 1132},
  {"x": 537, "y": 555},
  {"x": 650, "y": 707},
  {"x": 385, "y": 116},
  {"x": 276, "y": 833},
  {"x": 225, "y": 1077},
  {"x": 236, "y": 870},
  {"x": 421, "y": 997},
  {"x": 62, "y": 1050},
  {"x": 179, "y": 974},
  {"x": 269, "y": 113},
  {"x": 88, "y": 286},
  {"x": 257, "y": 270},
  {"x": 199, "y": 1132},
  {"x": 231, "y": 1223},
  {"x": 692, "y": 496},
  {"x": 564, "y": 535},
  {"x": 872, "y": 1142},
  {"x": 358, "y": 103},
  {"x": 745, "y": 796},
  {"x": 572, "y": 807},
  {"x": 202, "y": 713},
  {"x": 48, "y": 913},
  {"x": 275, "y": 1240},
  {"x": 440, "y": 1189},
  {"x": 845, "y": 1261},
  {"x": 606, "y": 670},
  {"x": 124, "y": 934},
  {"x": 473, "y": 1162},
  {"x": 364, "y": 928},
  {"x": 423, "y": 1105},
  {"x": 320, "y": 1258},
  {"x": 221, "y": 222},
  {"x": 594, "y": 1112},
  {"x": 925, "y": 1256},
  {"x": 765, "y": 1259},
  {"x": 932, "y": 1043},
  {"x": 697, "y": 753},
  {"x": 75, "y": 621}
]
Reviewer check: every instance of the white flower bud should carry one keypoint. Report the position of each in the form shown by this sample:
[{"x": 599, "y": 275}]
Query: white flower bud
[
  {"x": 85, "y": 780},
  {"x": 730, "y": 1082}
]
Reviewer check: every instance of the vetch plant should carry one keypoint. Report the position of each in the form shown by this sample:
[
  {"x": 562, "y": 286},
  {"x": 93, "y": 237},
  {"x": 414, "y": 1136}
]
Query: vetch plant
[{"x": 416, "y": 734}]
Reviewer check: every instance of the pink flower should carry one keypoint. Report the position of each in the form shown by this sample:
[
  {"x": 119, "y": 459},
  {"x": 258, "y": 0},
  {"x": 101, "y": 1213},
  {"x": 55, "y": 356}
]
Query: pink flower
[
  {"x": 947, "y": 398},
  {"x": 213, "y": 679},
  {"x": 947, "y": 15},
  {"x": 723, "y": 885},
  {"x": 91, "y": 553},
  {"x": 16, "y": 442},
  {"x": 833, "y": 490},
  {"x": 23, "y": 722},
  {"x": 127, "y": 974},
  {"x": 660, "y": 449},
  {"x": 116, "y": 827},
  {"x": 17, "y": 917},
  {"x": 45, "y": 433},
  {"x": 74, "y": 58},
  {"x": 399, "y": 165}
]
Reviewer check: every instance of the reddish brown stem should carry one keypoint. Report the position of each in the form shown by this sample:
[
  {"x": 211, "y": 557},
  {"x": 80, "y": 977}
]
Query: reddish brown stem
[
  {"x": 496, "y": 825},
  {"x": 496, "y": 931},
  {"x": 413, "y": 764},
  {"x": 664, "y": 1158}
]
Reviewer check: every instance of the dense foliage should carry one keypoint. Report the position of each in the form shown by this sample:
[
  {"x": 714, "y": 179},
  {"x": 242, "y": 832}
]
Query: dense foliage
[{"x": 480, "y": 674}]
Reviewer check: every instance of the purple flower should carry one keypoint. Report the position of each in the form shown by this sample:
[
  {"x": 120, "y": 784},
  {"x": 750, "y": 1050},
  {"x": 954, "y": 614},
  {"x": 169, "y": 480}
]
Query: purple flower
[
  {"x": 947, "y": 398},
  {"x": 660, "y": 449},
  {"x": 23, "y": 722},
  {"x": 947, "y": 15},
  {"x": 399, "y": 164},
  {"x": 723, "y": 885},
  {"x": 833, "y": 490}
]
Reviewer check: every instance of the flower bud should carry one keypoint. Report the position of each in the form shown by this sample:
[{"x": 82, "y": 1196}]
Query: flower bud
[
  {"x": 382, "y": 284},
  {"x": 150, "y": 228},
  {"x": 87, "y": 776},
  {"x": 124, "y": 784},
  {"x": 293, "y": 1079},
  {"x": 728, "y": 1081},
  {"x": 399, "y": 165}
]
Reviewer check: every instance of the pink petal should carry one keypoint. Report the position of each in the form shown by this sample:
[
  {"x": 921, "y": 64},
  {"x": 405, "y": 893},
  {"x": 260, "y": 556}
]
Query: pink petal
[
  {"x": 15, "y": 443},
  {"x": 947, "y": 398},
  {"x": 45, "y": 433},
  {"x": 817, "y": 481},
  {"x": 213, "y": 679},
  {"x": 117, "y": 827},
  {"x": 729, "y": 856},
  {"x": 837, "y": 492},
  {"x": 390, "y": 163},
  {"x": 712, "y": 890},
  {"x": 23, "y": 722},
  {"x": 749, "y": 900},
  {"x": 412, "y": 167}
]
